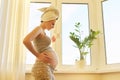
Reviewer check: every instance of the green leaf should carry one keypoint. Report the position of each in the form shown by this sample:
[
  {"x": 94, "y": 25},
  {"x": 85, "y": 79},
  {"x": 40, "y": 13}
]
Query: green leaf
[{"x": 86, "y": 42}]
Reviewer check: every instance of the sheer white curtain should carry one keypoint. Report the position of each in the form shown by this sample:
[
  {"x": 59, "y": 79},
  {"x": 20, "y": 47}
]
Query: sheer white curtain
[{"x": 13, "y": 22}]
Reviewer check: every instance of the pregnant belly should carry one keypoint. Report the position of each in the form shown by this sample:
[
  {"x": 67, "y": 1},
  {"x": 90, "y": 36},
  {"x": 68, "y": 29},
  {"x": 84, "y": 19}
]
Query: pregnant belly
[{"x": 54, "y": 59}]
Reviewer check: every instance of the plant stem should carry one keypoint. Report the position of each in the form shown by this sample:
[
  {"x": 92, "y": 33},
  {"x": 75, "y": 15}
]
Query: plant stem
[{"x": 81, "y": 55}]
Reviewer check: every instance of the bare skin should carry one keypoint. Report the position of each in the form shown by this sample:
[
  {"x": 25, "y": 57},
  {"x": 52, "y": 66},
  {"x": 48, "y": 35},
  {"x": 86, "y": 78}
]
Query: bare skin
[{"x": 47, "y": 57}]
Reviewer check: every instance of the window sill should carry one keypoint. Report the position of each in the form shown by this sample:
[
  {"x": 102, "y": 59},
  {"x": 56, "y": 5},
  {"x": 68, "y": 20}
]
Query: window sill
[{"x": 85, "y": 70}]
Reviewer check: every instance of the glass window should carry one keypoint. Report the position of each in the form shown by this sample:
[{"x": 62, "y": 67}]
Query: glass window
[
  {"x": 72, "y": 13},
  {"x": 111, "y": 15},
  {"x": 33, "y": 22}
]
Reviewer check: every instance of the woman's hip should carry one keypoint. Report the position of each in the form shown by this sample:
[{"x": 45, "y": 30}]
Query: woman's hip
[{"x": 42, "y": 69}]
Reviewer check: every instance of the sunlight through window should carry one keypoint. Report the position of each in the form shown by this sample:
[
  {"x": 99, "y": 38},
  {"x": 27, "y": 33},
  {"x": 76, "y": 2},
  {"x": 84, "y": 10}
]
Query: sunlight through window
[
  {"x": 72, "y": 13},
  {"x": 111, "y": 13}
]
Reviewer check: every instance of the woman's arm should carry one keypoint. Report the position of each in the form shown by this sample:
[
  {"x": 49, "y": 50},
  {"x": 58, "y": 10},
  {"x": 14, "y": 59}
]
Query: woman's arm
[{"x": 29, "y": 38}]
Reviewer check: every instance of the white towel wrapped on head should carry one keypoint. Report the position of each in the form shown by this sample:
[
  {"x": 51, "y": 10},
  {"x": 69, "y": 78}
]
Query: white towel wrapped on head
[{"x": 49, "y": 13}]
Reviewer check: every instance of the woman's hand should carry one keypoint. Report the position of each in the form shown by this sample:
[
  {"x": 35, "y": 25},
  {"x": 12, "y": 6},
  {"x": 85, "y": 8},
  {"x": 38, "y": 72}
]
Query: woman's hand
[
  {"x": 44, "y": 58},
  {"x": 53, "y": 38}
]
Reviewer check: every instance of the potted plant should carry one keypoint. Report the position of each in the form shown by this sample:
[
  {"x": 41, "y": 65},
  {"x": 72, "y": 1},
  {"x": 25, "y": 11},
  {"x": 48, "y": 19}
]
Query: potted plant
[{"x": 83, "y": 44}]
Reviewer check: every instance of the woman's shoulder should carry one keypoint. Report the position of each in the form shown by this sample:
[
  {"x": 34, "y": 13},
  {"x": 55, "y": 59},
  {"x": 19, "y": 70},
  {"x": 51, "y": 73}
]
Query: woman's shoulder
[{"x": 37, "y": 29}]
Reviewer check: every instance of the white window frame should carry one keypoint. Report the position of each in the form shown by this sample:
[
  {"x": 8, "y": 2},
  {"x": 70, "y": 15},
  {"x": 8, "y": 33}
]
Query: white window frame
[{"x": 98, "y": 64}]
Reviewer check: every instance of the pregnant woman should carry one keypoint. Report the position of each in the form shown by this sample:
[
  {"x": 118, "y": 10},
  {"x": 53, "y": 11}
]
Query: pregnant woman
[{"x": 38, "y": 43}]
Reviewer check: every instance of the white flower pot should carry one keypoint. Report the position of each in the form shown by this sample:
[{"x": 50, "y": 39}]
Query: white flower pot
[{"x": 80, "y": 63}]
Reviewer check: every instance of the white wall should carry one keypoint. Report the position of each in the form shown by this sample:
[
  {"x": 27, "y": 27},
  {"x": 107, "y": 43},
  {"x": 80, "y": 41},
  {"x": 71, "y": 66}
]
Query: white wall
[
  {"x": 111, "y": 76},
  {"x": 84, "y": 76},
  {"x": 77, "y": 76}
]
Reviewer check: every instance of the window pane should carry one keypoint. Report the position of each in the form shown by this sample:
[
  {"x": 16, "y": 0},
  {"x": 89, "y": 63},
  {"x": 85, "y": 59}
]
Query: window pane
[
  {"x": 72, "y": 13},
  {"x": 111, "y": 12},
  {"x": 34, "y": 21}
]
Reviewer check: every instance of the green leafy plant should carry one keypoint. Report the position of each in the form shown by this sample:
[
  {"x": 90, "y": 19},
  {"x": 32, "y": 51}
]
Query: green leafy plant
[{"x": 83, "y": 44}]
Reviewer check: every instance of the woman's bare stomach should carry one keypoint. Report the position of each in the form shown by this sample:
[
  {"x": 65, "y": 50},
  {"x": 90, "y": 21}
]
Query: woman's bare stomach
[{"x": 53, "y": 56}]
